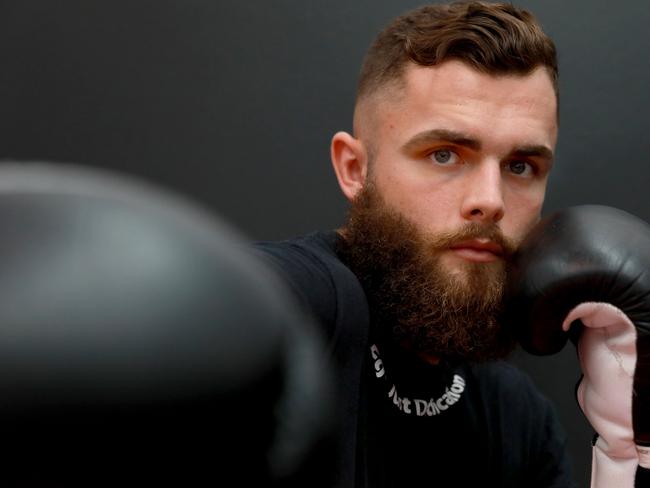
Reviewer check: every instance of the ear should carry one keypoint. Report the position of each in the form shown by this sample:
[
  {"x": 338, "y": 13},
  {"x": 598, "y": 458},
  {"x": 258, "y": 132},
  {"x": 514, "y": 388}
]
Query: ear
[{"x": 350, "y": 161}]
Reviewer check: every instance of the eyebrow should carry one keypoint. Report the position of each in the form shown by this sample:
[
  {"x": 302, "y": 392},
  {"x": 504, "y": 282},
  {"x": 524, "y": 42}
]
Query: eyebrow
[
  {"x": 461, "y": 139},
  {"x": 433, "y": 135},
  {"x": 534, "y": 151}
]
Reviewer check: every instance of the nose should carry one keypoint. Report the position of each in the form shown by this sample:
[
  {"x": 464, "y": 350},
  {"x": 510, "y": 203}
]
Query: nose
[{"x": 483, "y": 197}]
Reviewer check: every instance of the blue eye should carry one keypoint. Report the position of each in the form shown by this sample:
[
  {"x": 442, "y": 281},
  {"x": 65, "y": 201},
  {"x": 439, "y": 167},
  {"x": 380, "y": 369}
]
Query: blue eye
[
  {"x": 444, "y": 156},
  {"x": 521, "y": 168}
]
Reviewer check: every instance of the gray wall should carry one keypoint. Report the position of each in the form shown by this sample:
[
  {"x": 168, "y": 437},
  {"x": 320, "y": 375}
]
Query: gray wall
[{"x": 234, "y": 103}]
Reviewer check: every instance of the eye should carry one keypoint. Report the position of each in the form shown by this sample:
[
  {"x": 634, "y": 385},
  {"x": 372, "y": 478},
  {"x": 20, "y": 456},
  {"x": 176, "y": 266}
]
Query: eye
[
  {"x": 521, "y": 168},
  {"x": 444, "y": 157}
]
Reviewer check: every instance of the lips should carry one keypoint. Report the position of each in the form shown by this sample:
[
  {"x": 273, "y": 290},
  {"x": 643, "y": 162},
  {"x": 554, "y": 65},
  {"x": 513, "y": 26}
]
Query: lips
[{"x": 481, "y": 250}]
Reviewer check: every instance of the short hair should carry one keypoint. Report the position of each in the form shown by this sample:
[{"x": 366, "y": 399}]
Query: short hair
[{"x": 494, "y": 38}]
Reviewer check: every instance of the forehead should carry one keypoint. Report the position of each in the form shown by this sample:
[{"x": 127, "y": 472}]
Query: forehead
[
  {"x": 457, "y": 97},
  {"x": 457, "y": 79}
]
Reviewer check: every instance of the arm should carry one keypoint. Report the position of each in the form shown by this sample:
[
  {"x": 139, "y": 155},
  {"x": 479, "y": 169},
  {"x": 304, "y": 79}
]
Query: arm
[{"x": 584, "y": 271}]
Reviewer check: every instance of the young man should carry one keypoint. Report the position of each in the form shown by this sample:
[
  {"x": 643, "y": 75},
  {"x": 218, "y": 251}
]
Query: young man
[{"x": 455, "y": 125}]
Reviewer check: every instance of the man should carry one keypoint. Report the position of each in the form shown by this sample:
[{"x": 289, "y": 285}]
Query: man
[{"x": 455, "y": 125}]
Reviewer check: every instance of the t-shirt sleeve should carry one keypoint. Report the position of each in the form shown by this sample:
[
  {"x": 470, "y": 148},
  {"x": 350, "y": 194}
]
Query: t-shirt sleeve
[{"x": 308, "y": 277}]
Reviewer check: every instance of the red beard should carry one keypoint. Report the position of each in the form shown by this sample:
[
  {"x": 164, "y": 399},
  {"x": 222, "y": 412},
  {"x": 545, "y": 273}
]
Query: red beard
[{"x": 413, "y": 297}]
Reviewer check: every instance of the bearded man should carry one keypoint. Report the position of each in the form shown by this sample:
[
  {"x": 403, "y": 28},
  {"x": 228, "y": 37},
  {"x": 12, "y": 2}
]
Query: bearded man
[{"x": 454, "y": 131}]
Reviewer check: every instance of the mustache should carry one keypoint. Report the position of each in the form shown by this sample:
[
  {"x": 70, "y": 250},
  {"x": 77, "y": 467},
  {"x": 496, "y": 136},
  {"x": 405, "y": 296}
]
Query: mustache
[{"x": 471, "y": 231}]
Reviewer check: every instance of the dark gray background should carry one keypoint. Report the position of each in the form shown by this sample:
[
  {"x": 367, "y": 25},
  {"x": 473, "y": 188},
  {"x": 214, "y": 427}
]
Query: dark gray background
[{"x": 234, "y": 103}]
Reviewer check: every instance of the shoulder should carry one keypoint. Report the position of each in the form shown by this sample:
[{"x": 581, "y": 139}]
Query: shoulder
[
  {"x": 317, "y": 249},
  {"x": 307, "y": 261},
  {"x": 316, "y": 275},
  {"x": 516, "y": 408},
  {"x": 512, "y": 386},
  {"x": 526, "y": 420},
  {"x": 501, "y": 371}
]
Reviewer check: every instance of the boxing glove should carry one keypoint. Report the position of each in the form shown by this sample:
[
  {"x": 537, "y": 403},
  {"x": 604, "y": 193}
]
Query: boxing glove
[
  {"x": 141, "y": 343},
  {"x": 584, "y": 273}
]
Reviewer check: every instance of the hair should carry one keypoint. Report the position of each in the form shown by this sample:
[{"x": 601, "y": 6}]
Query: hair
[{"x": 494, "y": 38}]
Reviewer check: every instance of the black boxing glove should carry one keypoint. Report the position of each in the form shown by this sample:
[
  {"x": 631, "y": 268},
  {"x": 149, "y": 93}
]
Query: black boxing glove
[
  {"x": 141, "y": 344},
  {"x": 585, "y": 272}
]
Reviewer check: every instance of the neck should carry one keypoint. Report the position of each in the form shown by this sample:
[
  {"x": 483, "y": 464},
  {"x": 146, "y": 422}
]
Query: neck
[
  {"x": 426, "y": 357},
  {"x": 429, "y": 358}
]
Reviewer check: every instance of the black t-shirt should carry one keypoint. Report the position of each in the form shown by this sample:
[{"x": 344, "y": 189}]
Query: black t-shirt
[
  {"x": 410, "y": 423},
  {"x": 463, "y": 425}
]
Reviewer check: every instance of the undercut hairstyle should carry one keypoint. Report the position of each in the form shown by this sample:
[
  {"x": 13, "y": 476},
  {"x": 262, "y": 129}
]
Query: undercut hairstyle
[{"x": 493, "y": 38}]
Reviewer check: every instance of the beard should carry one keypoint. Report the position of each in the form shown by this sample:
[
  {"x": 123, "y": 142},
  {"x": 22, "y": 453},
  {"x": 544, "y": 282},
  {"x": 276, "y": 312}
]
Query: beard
[{"x": 413, "y": 297}]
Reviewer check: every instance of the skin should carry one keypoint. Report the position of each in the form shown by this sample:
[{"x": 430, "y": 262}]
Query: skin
[{"x": 452, "y": 145}]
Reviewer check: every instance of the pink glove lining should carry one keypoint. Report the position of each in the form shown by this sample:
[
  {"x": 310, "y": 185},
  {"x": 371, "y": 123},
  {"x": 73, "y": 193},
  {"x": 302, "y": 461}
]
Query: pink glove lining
[{"x": 607, "y": 354}]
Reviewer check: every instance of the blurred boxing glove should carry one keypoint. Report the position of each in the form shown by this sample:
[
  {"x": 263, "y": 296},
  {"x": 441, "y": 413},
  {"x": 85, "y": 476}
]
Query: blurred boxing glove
[
  {"x": 141, "y": 344},
  {"x": 584, "y": 272}
]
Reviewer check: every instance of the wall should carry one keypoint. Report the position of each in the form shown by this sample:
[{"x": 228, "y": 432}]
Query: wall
[{"x": 234, "y": 103}]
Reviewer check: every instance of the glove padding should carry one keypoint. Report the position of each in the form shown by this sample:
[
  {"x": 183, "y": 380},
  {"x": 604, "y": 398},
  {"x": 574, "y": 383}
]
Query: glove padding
[
  {"x": 584, "y": 273},
  {"x": 142, "y": 345}
]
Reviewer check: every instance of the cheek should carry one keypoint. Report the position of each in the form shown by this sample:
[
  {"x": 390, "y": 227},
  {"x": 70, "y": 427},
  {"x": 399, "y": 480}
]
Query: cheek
[
  {"x": 520, "y": 228},
  {"x": 525, "y": 210},
  {"x": 415, "y": 192},
  {"x": 431, "y": 208},
  {"x": 528, "y": 225}
]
